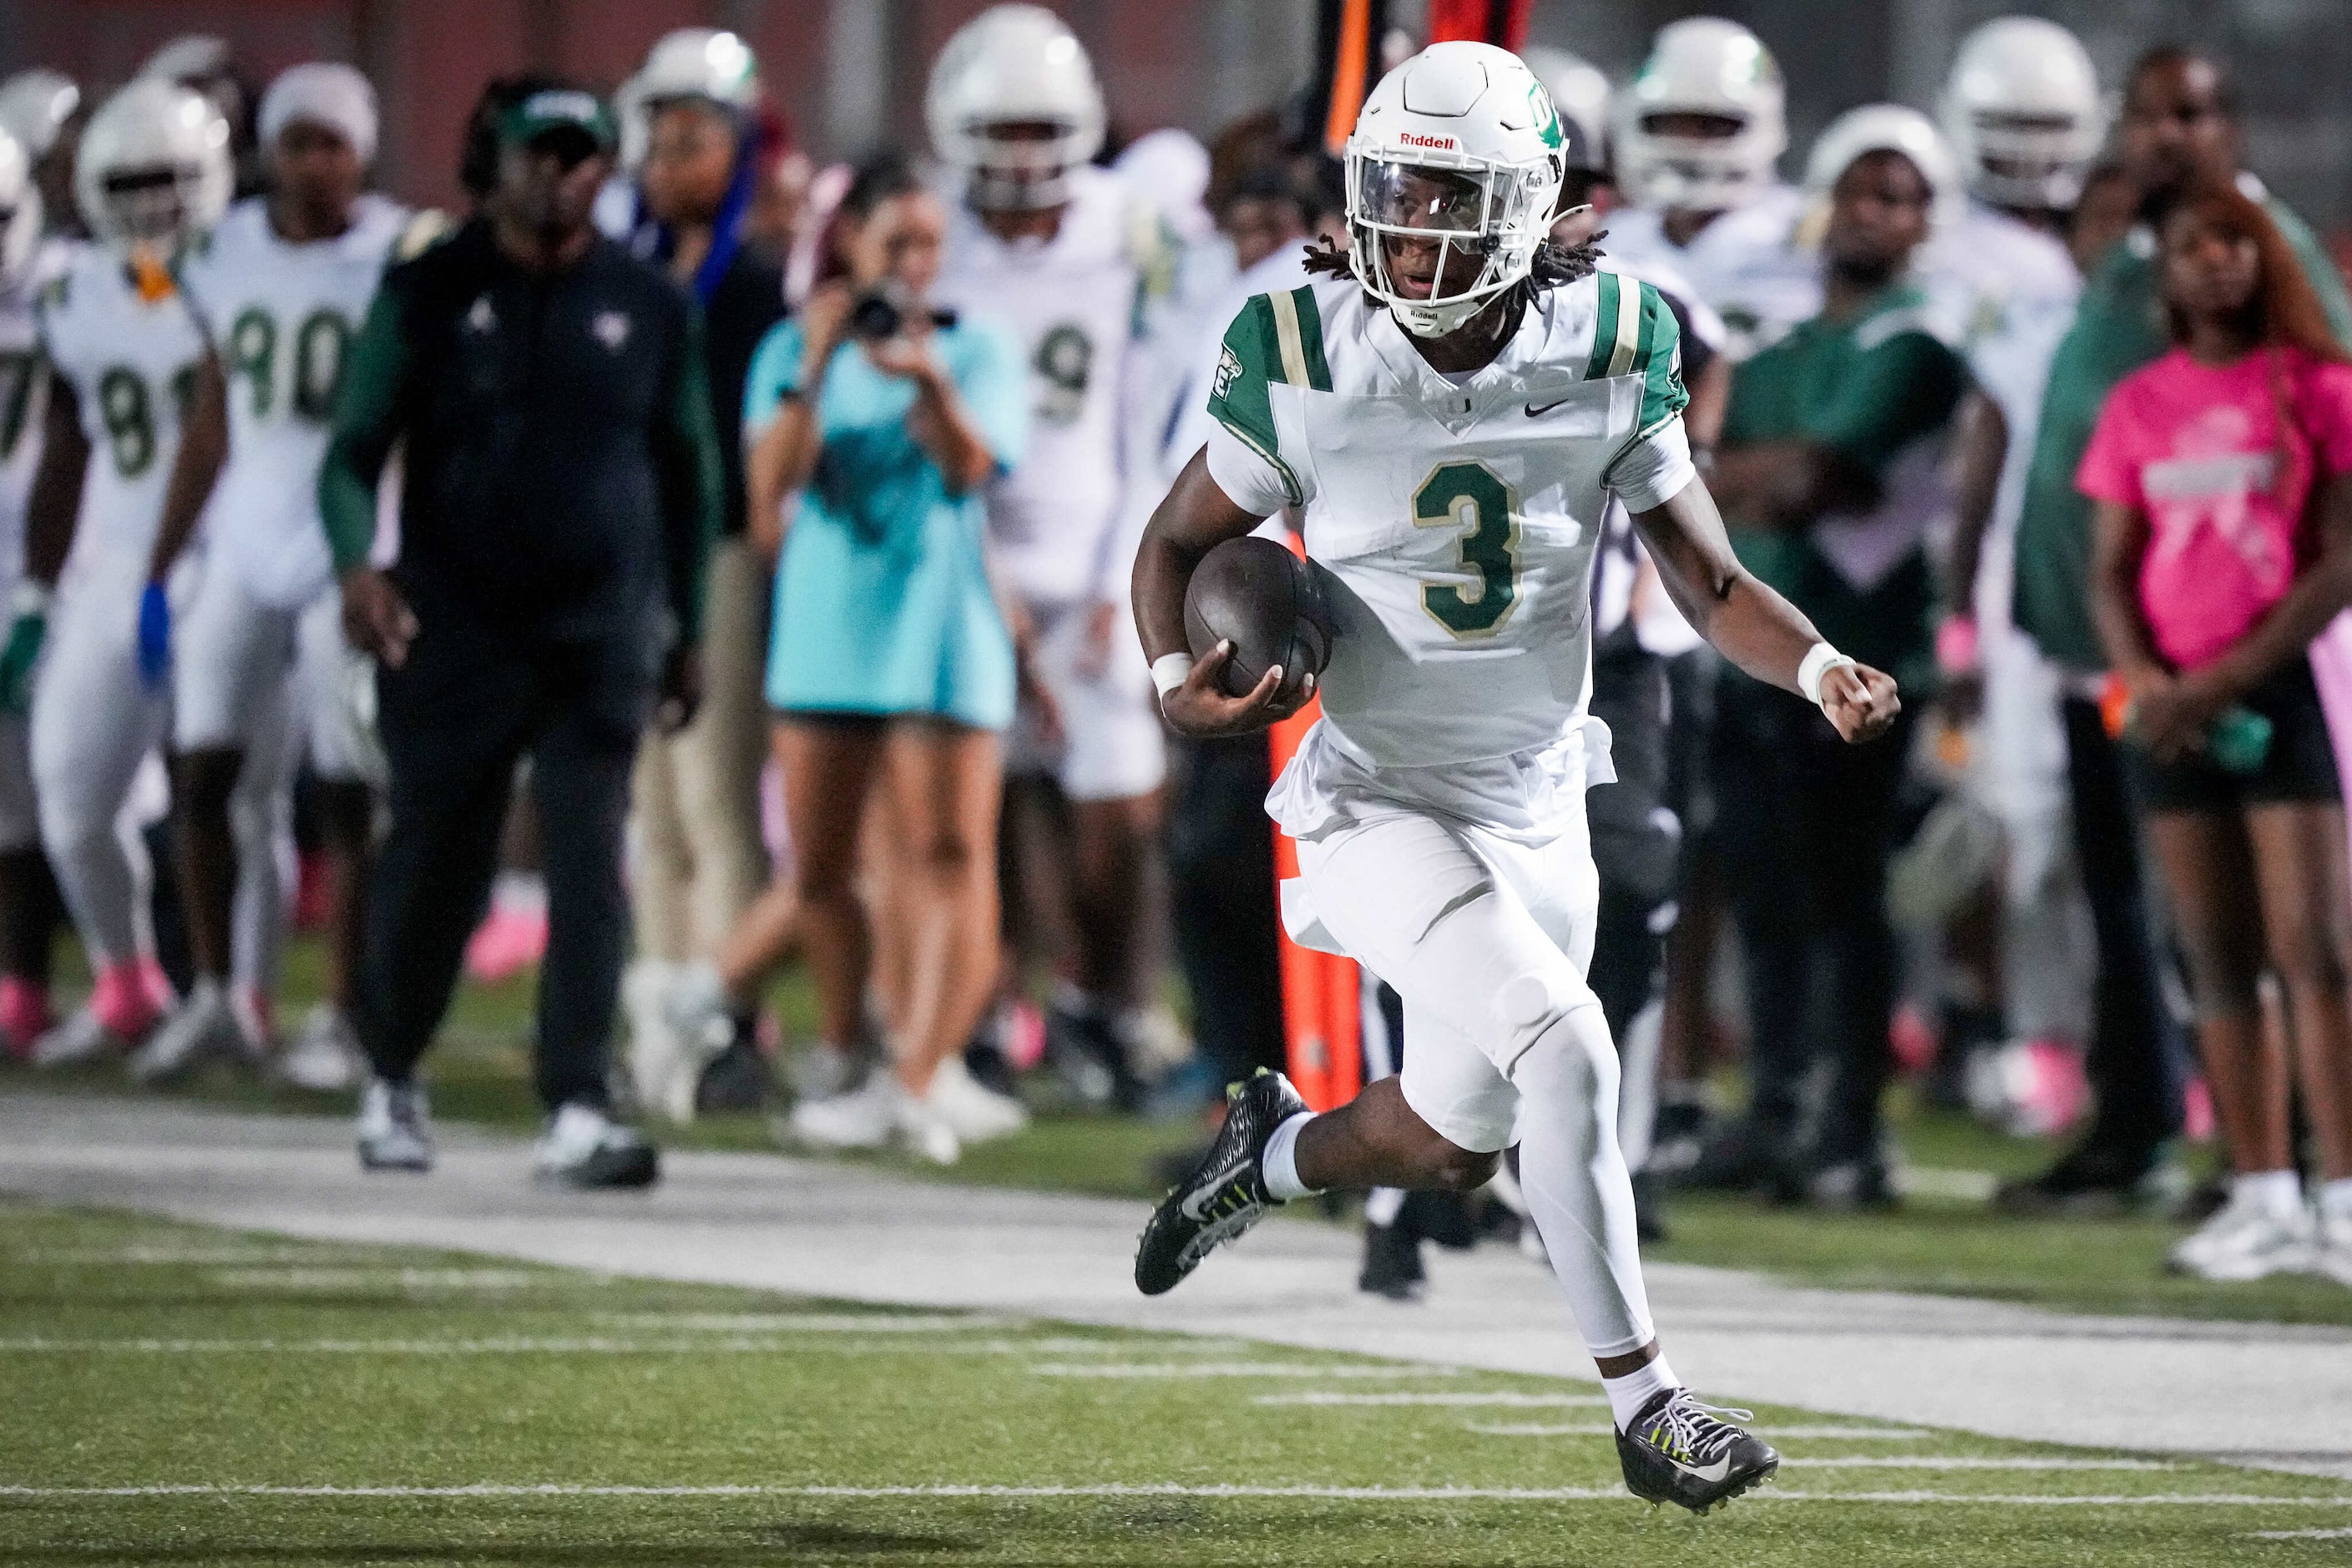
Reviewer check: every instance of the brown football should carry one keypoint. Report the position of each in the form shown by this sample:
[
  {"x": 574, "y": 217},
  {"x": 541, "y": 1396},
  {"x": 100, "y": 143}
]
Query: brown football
[{"x": 1269, "y": 603}]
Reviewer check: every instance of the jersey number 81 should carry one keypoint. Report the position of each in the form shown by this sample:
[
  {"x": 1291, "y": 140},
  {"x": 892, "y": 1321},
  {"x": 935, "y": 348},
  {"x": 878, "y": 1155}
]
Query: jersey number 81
[{"x": 1475, "y": 498}]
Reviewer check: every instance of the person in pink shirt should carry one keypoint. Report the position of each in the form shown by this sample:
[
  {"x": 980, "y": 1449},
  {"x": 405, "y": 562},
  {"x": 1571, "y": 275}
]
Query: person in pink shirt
[{"x": 2224, "y": 545}]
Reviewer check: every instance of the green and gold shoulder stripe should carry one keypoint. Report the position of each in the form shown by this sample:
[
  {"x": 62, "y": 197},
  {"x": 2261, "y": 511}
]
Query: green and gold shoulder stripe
[
  {"x": 1634, "y": 334},
  {"x": 1276, "y": 337}
]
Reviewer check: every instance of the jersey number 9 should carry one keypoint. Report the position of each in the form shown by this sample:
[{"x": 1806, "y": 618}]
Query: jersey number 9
[{"x": 1474, "y": 496}]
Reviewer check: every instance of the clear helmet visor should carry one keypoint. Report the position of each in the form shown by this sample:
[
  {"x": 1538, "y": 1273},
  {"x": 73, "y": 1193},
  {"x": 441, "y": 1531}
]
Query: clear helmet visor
[
  {"x": 1435, "y": 241},
  {"x": 2035, "y": 159}
]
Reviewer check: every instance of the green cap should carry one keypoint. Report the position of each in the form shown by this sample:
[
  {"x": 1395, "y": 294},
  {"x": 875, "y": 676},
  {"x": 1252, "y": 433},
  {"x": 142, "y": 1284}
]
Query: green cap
[{"x": 559, "y": 109}]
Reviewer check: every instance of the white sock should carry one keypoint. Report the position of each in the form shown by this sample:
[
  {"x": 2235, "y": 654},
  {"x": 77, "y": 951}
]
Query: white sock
[
  {"x": 1279, "y": 1164},
  {"x": 2276, "y": 1193},
  {"x": 2336, "y": 1197},
  {"x": 1383, "y": 1206},
  {"x": 1628, "y": 1393}
]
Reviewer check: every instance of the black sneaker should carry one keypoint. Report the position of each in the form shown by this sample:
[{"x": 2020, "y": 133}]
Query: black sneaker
[
  {"x": 584, "y": 1148},
  {"x": 1392, "y": 1263},
  {"x": 1680, "y": 1451},
  {"x": 1227, "y": 1195},
  {"x": 2091, "y": 1179}
]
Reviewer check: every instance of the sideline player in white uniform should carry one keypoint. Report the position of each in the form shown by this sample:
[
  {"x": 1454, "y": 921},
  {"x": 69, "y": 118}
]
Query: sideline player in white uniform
[
  {"x": 123, "y": 350},
  {"x": 1450, "y": 418},
  {"x": 1046, "y": 244},
  {"x": 259, "y": 661},
  {"x": 2021, "y": 110},
  {"x": 27, "y": 894},
  {"x": 1698, "y": 135}
]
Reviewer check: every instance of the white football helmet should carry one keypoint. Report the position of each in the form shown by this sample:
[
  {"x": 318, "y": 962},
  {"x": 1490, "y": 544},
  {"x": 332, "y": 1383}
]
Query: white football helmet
[
  {"x": 35, "y": 106},
  {"x": 691, "y": 62},
  {"x": 1580, "y": 93},
  {"x": 2024, "y": 114},
  {"x": 1014, "y": 64},
  {"x": 20, "y": 212},
  {"x": 1890, "y": 128},
  {"x": 1702, "y": 64},
  {"x": 154, "y": 171},
  {"x": 1461, "y": 145}
]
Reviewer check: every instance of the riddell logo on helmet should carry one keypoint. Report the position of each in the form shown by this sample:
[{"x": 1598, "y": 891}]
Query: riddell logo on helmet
[{"x": 1415, "y": 138}]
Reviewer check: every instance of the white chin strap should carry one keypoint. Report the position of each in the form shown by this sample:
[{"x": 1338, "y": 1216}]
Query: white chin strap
[{"x": 1436, "y": 321}]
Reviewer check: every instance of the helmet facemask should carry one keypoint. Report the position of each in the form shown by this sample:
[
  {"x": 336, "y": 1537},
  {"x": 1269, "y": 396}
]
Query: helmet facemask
[
  {"x": 1019, "y": 165},
  {"x": 1499, "y": 213},
  {"x": 147, "y": 210},
  {"x": 2028, "y": 160}
]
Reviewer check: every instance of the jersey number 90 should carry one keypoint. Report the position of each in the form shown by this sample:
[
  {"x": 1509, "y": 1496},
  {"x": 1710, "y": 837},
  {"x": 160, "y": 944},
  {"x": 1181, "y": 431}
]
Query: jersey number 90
[
  {"x": 1475, "y": 497},
  {"x": 317, "y": 368}
]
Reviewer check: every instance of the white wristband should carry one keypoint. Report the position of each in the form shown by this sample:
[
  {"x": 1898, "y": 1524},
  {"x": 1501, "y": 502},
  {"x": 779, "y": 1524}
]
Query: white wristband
[
  {"x": 32, "y": 598},
  {"x": 1171, "y": 671},
  {"x": 1819, "y": 659}
]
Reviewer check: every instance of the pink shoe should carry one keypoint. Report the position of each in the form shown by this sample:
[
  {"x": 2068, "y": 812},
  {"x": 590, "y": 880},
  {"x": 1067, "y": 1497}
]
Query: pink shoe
[
  {"x": 122, "y": 1001},
  {"x": 512, "y": 936},
  {"x": 156, "y": 983},
  {"x": 25, "y": 1015}
]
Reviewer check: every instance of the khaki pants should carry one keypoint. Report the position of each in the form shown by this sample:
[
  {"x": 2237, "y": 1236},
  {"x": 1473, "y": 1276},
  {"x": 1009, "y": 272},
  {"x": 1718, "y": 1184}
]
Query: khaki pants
[{"x": 698, "y": 861}]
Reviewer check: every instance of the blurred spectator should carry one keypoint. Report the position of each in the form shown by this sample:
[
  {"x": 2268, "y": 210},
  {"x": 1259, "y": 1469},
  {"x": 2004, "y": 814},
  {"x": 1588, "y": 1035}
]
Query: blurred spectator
[
  {"x": 561, "y": 492},
  {"x": 697, "y": 858},
  {"x": 1827, "y": 472},
  {"x": 2224, "y": 544},
  {"x": 890, "y": 669},
  {"x": 2180, "y": 131}
]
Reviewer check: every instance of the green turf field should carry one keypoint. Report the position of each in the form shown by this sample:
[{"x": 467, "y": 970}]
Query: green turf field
[{"x": 179, "y": 1396}]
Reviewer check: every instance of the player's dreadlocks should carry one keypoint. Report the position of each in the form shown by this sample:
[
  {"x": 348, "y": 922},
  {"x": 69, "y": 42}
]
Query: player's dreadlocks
[{"x": 1554, "y": 263}]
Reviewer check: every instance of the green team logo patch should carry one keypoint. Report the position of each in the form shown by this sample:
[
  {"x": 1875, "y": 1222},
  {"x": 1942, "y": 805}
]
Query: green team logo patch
[{"x": 1547, "y": 117}]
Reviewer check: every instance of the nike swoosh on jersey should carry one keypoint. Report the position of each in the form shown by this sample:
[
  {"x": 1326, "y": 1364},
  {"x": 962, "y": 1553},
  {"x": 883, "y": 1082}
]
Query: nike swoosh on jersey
[{"x": 1534, "y": 411}]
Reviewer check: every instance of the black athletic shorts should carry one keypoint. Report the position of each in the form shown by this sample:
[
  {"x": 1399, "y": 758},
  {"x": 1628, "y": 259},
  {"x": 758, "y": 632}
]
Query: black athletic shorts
[{"x": 2300, "y": 766}]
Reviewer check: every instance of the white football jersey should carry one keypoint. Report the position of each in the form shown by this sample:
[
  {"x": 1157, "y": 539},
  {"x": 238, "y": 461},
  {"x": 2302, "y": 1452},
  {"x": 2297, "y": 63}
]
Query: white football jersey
[
  {"x": 2010, "y": 290},
  {"x": 132, "y": 362},
  {"x": 23, "y": 402},
  {"x": 1454, "y": 524},
  {"x": 280, "y": 317},
  {"x": 1070, "y": 303},
  {"x": 1748, "y": 264}
]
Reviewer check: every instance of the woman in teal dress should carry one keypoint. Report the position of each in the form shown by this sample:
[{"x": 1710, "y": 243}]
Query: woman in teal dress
[{"x": 890, "y": 666}]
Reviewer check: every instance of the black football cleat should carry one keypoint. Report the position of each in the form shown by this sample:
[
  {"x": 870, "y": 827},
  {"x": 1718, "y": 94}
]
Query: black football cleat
[
  {"x": 1392, "y": 1263},
  {"x": 1227, "y": 1195},
  {"x": 1680, "y": 1451}
]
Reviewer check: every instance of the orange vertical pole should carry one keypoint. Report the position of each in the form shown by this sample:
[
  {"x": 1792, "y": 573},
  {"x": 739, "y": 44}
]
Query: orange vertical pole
[
  {"x": 1348, "y": 72},
  {"x": 1322, "y": 1019}
]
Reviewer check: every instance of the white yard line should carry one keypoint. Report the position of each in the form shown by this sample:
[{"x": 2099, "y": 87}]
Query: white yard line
[
  {"x": 823, "y": 1323},
  {"x": 1966, "y": 1462},
  {"x": 1491, "y": 1396},
  {"x": 1115, "y": 1490},
  {"x": 1603, "y": 1429},
  {"x": 500, "y": 1279},
  {"x": 1180, "y": 1369},
  {"x": 2338, "y": 1534}
]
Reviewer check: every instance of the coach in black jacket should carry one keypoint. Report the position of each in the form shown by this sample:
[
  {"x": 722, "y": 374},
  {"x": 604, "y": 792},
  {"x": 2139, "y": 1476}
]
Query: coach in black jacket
[{"x": 560, "y": 489}]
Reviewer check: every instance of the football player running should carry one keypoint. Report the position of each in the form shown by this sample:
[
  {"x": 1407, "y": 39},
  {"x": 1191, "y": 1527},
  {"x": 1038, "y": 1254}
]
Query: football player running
[
  {"x": 28, "y": 895},
  {"x": 1698, "y": 135},
  {"x": 1448, "y": 417},
  {"x": 123, "y": 351},
  {"x": 258, "y": 665},
  {"x": 1052, "y": 247}
]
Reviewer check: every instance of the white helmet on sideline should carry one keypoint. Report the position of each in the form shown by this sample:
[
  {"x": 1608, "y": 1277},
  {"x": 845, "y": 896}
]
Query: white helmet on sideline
[
  {"x": 1459, "y": 144},
  {"x": 1014, "y": 64},
  {"x": 1703, "y": 64},
  {"x": 1580, "y": 94},
  {"x": 1889, "y": 127},
  {"x": 708, "y": 63},
  {"x": 35, "y": 106},
  {"x": 153, "y": 170},
  {"x": 2023, "y": 112},
  {"x": 20, "y": 212}
]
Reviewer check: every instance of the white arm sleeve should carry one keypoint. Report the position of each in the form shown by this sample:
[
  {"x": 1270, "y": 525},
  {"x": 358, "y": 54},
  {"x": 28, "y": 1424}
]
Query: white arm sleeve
[
  {"x": 1250, "y": 481},
  {"x": 1651, "y": 471}
]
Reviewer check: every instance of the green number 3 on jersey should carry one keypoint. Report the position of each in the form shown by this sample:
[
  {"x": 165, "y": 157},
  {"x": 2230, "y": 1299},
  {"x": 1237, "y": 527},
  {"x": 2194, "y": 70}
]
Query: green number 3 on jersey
[{"x": 1474, "y": 496}]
